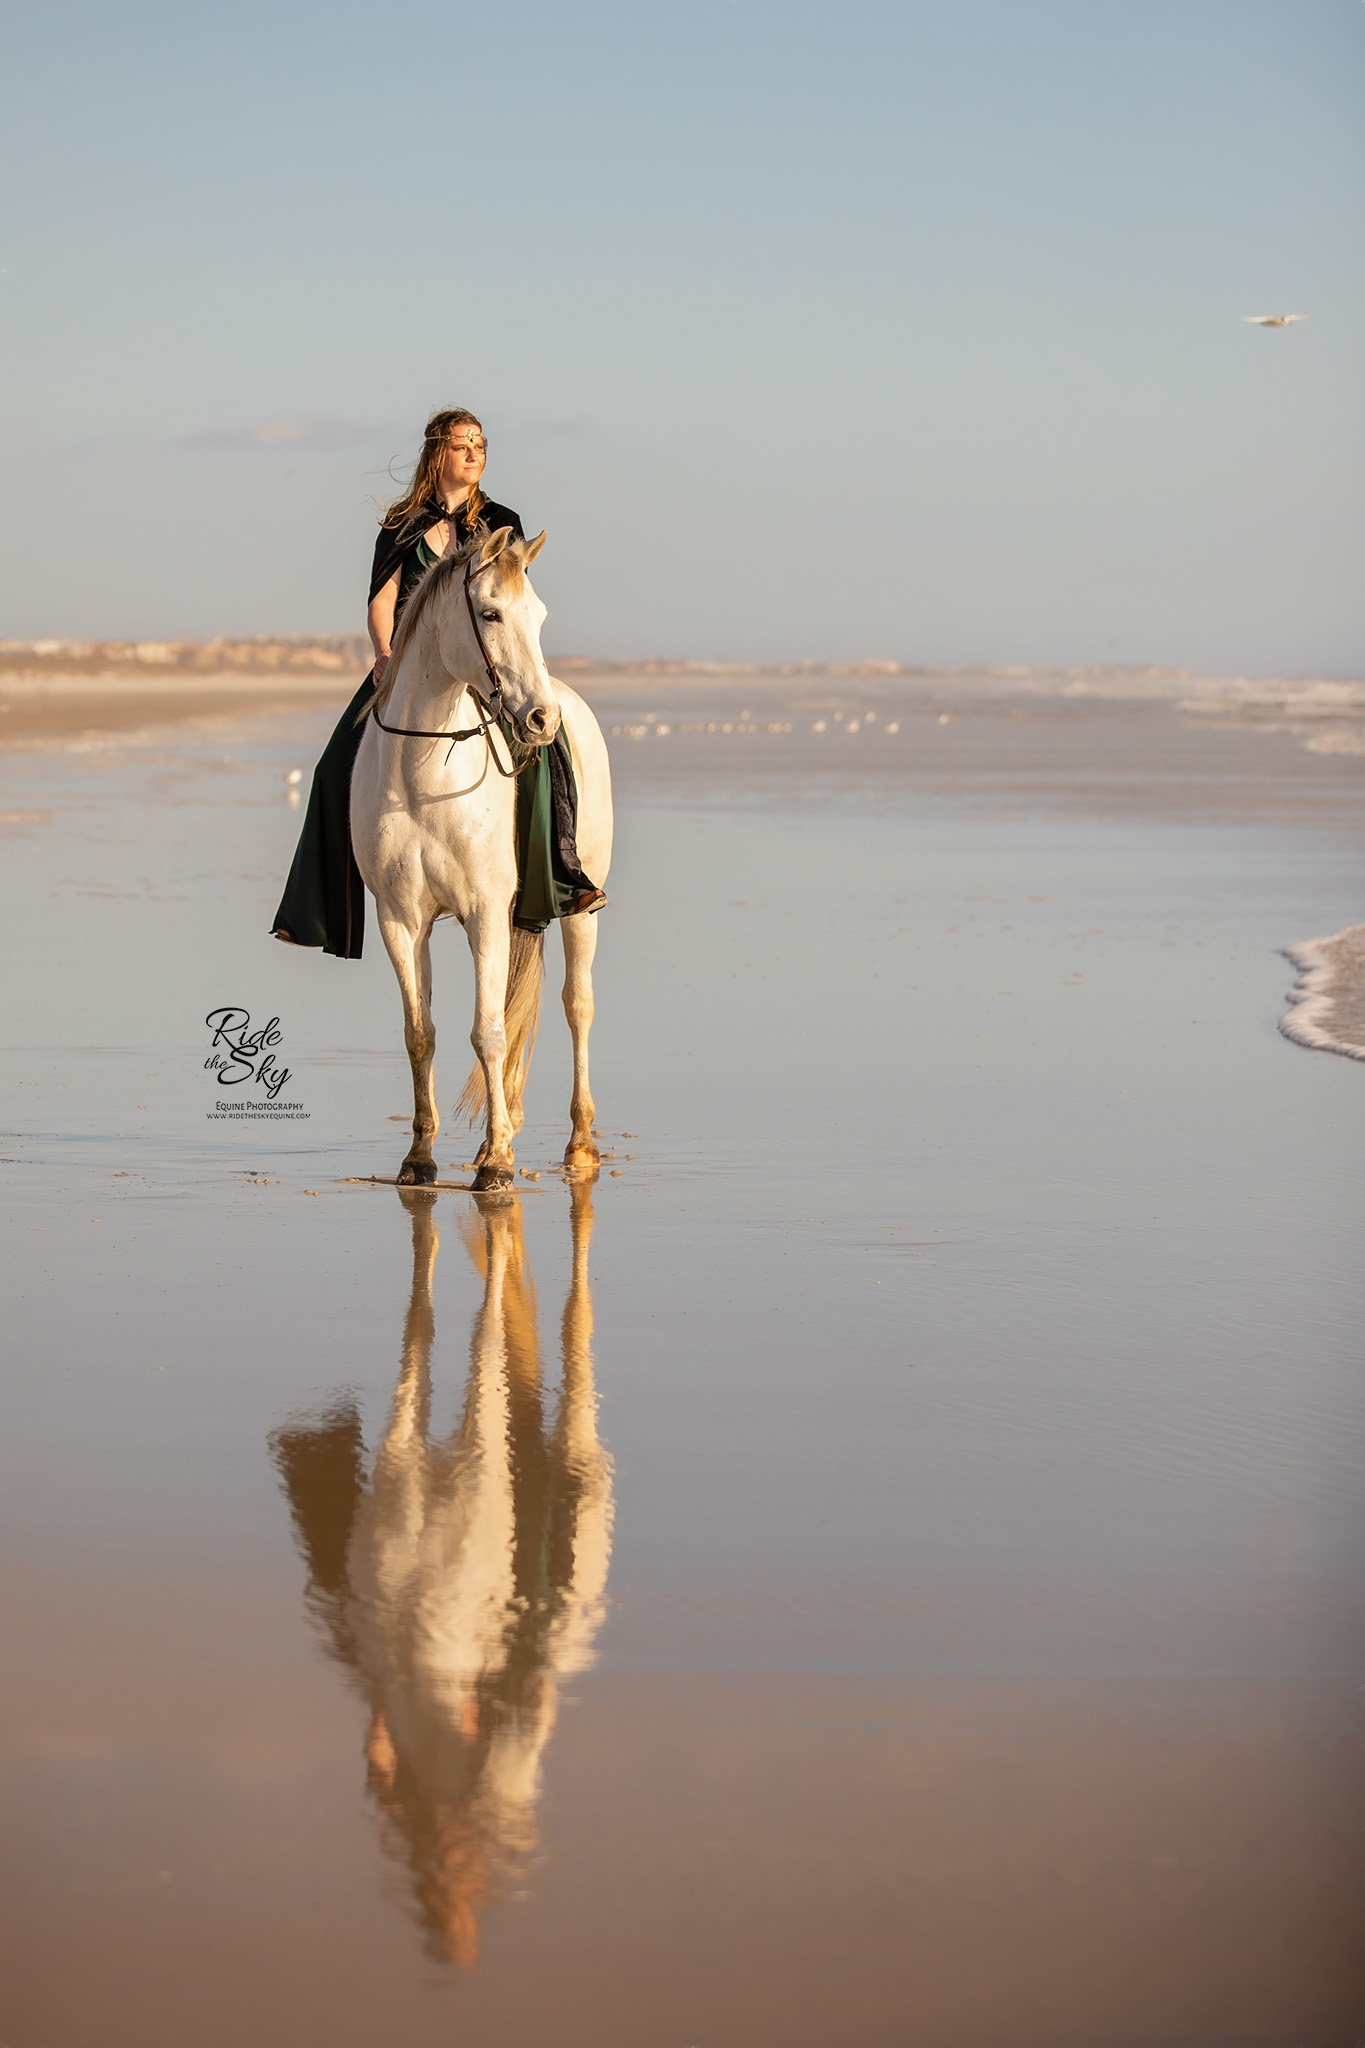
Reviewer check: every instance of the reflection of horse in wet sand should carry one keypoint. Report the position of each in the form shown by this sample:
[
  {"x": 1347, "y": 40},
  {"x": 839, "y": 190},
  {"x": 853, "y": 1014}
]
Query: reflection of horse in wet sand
[{"x": 468, "y": 1575}]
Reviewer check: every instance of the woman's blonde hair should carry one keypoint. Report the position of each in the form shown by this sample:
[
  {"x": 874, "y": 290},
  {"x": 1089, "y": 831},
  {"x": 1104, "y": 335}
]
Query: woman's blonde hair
[{"x": 424, "y": 476}]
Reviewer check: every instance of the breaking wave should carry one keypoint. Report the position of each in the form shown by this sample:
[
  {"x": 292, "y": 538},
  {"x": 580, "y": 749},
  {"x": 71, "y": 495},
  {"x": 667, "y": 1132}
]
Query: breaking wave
[{"x": 1328, "y": 999}]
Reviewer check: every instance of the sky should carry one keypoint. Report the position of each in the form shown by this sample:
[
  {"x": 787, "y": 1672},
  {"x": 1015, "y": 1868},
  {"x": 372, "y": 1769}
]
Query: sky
[{"x": 906, "y": 332}]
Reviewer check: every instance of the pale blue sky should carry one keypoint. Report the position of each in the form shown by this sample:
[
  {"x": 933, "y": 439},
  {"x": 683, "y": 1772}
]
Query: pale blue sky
[{"x": 809, "y": 332}]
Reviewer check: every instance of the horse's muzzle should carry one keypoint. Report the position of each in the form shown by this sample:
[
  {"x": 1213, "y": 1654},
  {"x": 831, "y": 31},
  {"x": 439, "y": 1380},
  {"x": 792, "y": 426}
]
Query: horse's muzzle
[{"x": 542, "y": 724}]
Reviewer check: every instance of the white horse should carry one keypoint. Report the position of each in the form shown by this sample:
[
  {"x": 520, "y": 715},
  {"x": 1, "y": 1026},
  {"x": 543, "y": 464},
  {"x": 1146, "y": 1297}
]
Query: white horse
[{"x": 433, "y": 800}]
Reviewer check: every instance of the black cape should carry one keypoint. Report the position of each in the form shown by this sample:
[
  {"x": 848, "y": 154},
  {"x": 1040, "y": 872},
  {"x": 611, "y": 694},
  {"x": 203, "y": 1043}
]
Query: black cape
[
  {"x": 324, "y": 898},
  {"x": 396, "y": 543}
]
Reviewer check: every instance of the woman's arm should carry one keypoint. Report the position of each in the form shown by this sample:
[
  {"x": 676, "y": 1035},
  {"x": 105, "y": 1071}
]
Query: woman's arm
[{"x": 382, "y": 607}]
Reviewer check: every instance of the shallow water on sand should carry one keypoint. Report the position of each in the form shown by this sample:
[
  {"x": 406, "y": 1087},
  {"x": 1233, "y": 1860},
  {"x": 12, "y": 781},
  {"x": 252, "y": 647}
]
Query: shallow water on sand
[{"x": 882, "y": 1565}]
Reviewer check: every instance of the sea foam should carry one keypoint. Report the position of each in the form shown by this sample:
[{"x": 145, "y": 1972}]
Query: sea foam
[{"x": 1328, "y": 998}]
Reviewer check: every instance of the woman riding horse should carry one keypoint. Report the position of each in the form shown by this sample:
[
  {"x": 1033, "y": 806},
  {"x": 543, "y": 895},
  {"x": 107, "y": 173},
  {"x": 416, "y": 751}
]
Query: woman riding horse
[{"x": 324, "y": 899}]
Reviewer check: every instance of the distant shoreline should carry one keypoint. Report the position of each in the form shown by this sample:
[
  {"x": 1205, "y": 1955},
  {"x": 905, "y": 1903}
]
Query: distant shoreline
[
  {"x": 62, "y": 690},
  {"x": 34, "y": 664}
]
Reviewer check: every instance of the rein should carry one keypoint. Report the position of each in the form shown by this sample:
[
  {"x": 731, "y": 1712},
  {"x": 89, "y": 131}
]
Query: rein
[{"x": 487, "y": 712}]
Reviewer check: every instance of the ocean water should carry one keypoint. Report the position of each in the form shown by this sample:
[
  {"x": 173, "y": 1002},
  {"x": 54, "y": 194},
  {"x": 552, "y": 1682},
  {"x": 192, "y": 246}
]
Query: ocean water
[{"x": 883, "y": 1563}]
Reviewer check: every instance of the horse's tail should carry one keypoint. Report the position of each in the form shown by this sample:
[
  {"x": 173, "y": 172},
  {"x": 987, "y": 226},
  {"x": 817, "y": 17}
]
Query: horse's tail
[{"x": 521, "y": 1017}]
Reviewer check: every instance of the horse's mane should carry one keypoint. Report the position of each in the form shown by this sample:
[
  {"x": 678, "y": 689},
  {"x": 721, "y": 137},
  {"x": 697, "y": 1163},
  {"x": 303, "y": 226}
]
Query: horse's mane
[{"x": 451, "y": 564}]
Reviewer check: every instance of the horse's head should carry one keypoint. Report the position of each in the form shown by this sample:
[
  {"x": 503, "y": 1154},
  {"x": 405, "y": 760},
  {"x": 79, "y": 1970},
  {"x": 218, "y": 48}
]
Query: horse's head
[{"x": 496, "y": 623}]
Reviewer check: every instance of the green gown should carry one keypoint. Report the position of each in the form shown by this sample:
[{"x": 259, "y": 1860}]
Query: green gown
[{"x": 324, "y": 898}]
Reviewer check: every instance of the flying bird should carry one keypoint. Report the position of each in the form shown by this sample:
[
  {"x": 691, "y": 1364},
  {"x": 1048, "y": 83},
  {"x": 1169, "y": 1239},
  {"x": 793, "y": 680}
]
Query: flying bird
[{"x": 1272, "y": 319}]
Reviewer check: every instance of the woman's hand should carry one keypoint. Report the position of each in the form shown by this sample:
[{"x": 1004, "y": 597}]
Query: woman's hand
[{"x": 381, "y": 662}]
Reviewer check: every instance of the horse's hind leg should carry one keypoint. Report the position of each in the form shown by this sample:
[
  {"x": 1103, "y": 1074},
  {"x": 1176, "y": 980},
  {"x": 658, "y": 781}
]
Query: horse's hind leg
[
  {"x": 580, "y": 944},
  {"x": 410, "y": 953}
]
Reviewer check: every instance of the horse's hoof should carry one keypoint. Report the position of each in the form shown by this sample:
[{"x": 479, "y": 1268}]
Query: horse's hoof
[
  {"x": 417, "y": 1173},
  {"x": 582, "y": 1156},
  {"x": 490, "y": 1178}
]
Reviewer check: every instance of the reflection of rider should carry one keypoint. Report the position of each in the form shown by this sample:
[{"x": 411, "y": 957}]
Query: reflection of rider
[{"x": 468, "y": 1576}]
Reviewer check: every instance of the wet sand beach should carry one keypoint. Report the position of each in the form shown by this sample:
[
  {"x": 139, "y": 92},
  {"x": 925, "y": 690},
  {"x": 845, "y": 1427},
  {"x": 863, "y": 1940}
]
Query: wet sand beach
[
  {"x": 883, "y": 1564},
  {"x": 64, "y": 693}
]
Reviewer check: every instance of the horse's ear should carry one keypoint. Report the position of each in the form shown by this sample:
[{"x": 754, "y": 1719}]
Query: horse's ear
[
  {"x": 533, "y": 548},
  {"x": 494, "y": 546}
]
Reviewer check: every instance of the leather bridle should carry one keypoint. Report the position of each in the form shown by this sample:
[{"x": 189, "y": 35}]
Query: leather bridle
[{"x": 487, "y": 712}]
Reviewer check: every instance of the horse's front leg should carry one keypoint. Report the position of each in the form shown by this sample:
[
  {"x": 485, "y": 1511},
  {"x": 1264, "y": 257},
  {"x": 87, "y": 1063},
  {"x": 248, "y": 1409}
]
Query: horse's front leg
[
  {"x": 580, "y": 944},
  {"x": 489, "y": 932},
  {"x": 410, "y": 952}
]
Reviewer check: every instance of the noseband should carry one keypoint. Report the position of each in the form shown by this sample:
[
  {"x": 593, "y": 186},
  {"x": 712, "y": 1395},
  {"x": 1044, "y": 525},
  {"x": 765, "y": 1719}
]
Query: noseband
[{"x": 487, "y": 712}]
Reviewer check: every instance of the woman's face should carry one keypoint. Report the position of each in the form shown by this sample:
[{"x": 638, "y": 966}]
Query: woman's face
[{"x": 462, "y": 460}]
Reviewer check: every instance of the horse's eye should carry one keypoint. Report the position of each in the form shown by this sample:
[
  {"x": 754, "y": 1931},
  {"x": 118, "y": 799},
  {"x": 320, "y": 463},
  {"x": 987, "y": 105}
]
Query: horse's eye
[{"x": 493, "y": 617}]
